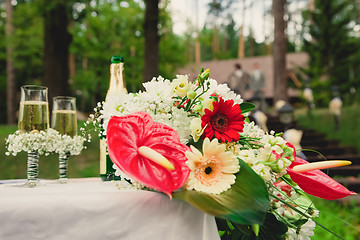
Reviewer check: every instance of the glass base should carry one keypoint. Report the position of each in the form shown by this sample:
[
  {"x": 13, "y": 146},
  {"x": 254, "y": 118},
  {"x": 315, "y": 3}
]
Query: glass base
[{"x": 63, "y": 180}]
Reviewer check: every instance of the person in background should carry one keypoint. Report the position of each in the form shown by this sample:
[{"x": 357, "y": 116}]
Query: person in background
[
  {"x": 237, "y": 81},
  {"x": 256, "y": 85}
]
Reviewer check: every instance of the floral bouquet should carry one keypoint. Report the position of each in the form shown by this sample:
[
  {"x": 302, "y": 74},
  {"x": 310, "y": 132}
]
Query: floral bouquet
[{"x": 193, "y": 141}]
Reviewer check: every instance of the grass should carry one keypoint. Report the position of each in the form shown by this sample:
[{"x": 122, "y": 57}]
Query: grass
[
  {"x": 14, "y": 167},
  {"x": 340, "y": 218}
]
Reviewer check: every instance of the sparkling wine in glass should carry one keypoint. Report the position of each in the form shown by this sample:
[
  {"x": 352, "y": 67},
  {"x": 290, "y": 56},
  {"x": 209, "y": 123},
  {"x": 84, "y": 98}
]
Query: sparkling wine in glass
[
  {"x": 64, "y": 121},
  {"x": 33, "y": 117},
  {"x": 34, "y": 109},
  {"x": 64, "y": 116}
]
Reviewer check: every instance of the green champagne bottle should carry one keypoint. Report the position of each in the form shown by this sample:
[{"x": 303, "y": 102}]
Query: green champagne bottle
[{"x": 117, "y": 84}]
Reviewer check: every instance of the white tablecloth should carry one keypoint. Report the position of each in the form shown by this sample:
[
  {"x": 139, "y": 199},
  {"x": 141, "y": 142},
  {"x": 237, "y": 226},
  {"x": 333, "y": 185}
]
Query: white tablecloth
[{"x": 91, "y": 209}]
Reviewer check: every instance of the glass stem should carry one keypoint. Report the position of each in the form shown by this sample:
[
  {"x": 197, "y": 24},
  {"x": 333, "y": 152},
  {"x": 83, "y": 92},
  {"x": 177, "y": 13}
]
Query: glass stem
[
  {"x": 32, "y": 168},
  {"x": 63, "y": 162}
]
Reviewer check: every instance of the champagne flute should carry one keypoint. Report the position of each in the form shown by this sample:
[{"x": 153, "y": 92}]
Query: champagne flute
[
  {"x": 33, "y": 117},
  {"x": 64, "y": 121}
]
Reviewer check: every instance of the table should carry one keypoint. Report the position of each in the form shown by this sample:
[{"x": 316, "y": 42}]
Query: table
[{"x": 92, "y": 209}]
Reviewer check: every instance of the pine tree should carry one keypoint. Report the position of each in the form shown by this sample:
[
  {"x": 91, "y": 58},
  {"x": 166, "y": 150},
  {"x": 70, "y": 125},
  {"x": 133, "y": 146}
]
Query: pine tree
[{"x": 333, "y": 50}]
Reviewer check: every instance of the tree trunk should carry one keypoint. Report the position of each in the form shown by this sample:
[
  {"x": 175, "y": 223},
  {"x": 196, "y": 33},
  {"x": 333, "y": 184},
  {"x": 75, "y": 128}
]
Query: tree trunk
[
  {"x": 252, "y": 45},
  {"x": 10, "y": 71},
  {"x": 72, "y": 67},
  {"x": 279, "y": 52},
  {"x": 312, "y": 5},
  {"x": 56, "y": 49},
  {"x": 241, "y": 47},
  {"x": 197, "y": 50},
  {"x": 72, "y": 59},
  {"x": 152, "y": 39}
]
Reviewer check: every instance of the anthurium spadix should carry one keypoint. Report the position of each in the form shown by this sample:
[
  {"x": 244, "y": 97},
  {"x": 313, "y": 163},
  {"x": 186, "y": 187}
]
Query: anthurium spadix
[
  {"x": 316, "y": 182},
  {"x": 148, "y": 151}
]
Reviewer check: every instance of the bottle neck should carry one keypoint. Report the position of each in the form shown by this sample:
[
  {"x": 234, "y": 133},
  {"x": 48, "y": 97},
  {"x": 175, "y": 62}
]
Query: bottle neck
[{"x": 117, "y": 81}]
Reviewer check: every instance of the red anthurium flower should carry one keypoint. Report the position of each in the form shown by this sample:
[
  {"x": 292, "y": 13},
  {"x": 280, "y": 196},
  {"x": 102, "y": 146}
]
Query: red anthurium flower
[
  {"x": 317, "y": 183},
  {"x": 225, "y": 122},
  {"x": 135, "y": 143}
]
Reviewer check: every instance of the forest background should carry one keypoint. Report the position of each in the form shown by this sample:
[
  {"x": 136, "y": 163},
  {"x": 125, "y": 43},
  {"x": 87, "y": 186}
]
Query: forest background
[{"x": 67, "y": 45}]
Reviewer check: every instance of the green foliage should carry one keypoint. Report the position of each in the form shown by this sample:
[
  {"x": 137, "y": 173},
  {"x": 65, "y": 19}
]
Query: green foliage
[
  {"x": 99, "y": 29},
  {"x": 247, "y": 107},
  {"x": 109, "y": 28},
  {"x": 229, "y": 42},
  {"x": 172, "y": 47},
  {"x": 28, "y": 43},
  {"x": 333, "y": 50},
  {"x": 231, "y": 38},
  {"x": 2, "y": 68}
]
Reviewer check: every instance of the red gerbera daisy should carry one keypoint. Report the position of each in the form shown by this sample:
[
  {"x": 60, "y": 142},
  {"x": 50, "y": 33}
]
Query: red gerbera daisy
[{"x": 225, "y": 121}]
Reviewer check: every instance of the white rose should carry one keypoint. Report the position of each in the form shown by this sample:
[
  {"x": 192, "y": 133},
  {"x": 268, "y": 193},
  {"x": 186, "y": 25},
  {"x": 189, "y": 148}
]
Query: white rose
[
  {"x": 181, "y": 85},
  {"x": 196, "y": 130},
  {"x": 207, "y": 104}
]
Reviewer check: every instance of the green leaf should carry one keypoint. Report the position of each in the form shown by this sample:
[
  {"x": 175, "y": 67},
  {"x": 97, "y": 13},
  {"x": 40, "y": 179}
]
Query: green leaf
[
  {"x": 221, "y": 233},
  {"x": 246, "y": 202},
  {"x": 273, "y": 226},
  {"x": 246, "y": 107}
]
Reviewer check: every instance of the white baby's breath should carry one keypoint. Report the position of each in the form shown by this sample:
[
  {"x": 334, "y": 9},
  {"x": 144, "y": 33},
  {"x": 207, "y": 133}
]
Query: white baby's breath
[{"x": 44, "y": 142}]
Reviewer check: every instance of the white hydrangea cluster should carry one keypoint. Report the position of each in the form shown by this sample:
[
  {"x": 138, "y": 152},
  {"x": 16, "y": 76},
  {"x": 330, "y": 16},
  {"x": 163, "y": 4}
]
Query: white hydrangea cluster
[
  {"x": 44, "y": 142},
  {"x": 222, "y": 90},
  {"x": 156, "y": 100},
  {"x": 252, "y": 130},
  {"x": 269, "y": 161}
]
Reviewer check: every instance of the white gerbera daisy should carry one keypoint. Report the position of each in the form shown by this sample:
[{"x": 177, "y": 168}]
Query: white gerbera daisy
[{"x": 213, "y": 171}]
